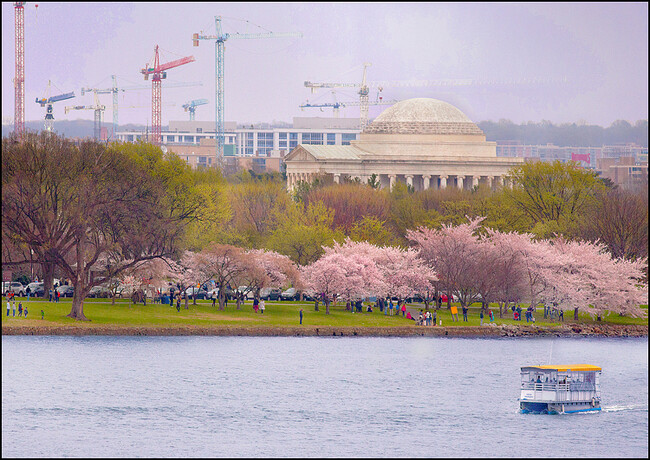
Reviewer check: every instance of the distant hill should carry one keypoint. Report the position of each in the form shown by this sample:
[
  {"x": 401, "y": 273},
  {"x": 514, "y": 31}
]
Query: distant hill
[
  {"x": 545, "y": 132},
  {"x": 567, "y": 134},
  {"x": 72, "y": 128}
]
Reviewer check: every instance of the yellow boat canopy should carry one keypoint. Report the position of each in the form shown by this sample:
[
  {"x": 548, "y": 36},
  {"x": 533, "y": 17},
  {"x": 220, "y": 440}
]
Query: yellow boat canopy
[{"x": 568, "y": 367}]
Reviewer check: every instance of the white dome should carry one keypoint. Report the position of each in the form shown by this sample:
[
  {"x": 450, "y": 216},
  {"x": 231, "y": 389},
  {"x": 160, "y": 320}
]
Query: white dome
[{"x": 422, "y": 116}]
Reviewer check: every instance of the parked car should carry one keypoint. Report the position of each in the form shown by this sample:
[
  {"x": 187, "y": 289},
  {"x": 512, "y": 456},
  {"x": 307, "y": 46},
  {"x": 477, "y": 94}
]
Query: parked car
[
  {"x": 290, "y": 294},
  {"x": 200, "y": 293},
  {"x": 270, "y": 293},
  {"x": 38, "y": 290},
  {"x": 213, "y": 292},
  {"x": 65, "y": 290},
  {"x": 35, "y": 289},
  {"x": 309, "y": 296},
  {"x": 16, "y": 287},
  {"x": 248, "y": 292},
  {"x": 100, "y": 292}
]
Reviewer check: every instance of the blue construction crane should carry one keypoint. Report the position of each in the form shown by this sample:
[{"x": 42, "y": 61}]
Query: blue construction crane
[
  {"x": 219, "y": 49},
  {"x": 48, "y": 101},
  {"x": 192, "y": 105}
]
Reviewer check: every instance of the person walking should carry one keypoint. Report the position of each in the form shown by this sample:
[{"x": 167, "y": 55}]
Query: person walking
[
  {"x": 8, "y": 305},
  {"x": 25, "y": 311},
  {"x": 301, "y": 316},
  {"x": 28, "y": 291},
  {"x": 465, "y": 313},
  {"x": 435, "y": 317},
  {"x": 256, "y": 304},
  {"x": 50, "y": 295},
  {"x": 390, "y": 306},
  {"x": 13, "y": 307},
  {"x": 404, "y": 309},
  {"x": 20, "y": 309},
  {"x": 262, "y": 306},
  {"x": 481, "y": 315}
]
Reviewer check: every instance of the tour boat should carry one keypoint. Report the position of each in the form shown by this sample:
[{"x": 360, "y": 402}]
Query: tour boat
[{"x": 560, "y": 389}]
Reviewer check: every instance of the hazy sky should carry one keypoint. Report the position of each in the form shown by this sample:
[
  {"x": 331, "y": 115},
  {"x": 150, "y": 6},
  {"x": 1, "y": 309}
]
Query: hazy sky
[{"x": 600, "y": 48}]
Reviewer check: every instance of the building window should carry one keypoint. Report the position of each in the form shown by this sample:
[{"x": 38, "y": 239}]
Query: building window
[
  {"x": 312, "y": 138},
  {"x": 346, "y": 138},
  {"x": 331, "y": 138},
  {"x": 189, "y": 139},
  {"x": 283, "y": 144},
  {"x": 293, "y": 136},
  {"x": 282, "y": 135}
]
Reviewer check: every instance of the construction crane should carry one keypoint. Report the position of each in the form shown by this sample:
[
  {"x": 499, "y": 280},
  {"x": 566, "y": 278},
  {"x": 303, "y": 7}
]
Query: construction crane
[
  {"x": 364, "y": 87},
  {"x": 192, "y": 105},
  {"x": 115, "y": 90},
  {"x": 99, "y": 114},
  {"x": 219, "y": 49},
  {"x": 336, "y": 105},
  {"x": 19, "y": 78},
  {"x": 48, "y": 101},
  {"x": 158, "y": 73}
]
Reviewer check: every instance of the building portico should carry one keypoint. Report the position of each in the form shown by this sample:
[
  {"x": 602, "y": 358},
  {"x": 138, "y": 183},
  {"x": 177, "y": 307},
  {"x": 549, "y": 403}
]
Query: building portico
[{"x": 423, "y": 143}]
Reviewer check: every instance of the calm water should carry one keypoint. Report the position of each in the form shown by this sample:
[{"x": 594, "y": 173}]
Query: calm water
[{"x": 309, "y": 397}]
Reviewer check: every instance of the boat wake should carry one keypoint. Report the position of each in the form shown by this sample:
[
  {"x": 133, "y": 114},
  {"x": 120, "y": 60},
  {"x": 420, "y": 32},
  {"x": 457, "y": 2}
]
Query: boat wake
[{"x": 621, "y": 407}]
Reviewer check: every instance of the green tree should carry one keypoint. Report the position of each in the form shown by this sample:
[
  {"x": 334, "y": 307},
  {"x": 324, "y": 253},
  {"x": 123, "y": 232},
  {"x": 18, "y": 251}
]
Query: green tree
[
  {"x": 551, "y": 196},
  {"x": 302, "y": 235}
]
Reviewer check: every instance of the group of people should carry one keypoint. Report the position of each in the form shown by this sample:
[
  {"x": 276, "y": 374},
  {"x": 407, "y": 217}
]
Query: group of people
[
  {"x": 54, "y": 295},
  {"x": 427, "y": 319},
  {"x": 259, "y": 305},
  {"x": 21, "y": 310}
]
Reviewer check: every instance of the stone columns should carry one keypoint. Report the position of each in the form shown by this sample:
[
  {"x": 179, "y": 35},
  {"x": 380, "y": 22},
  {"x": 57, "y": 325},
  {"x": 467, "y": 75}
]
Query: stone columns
[
  {"x": 460, "y": 182},
  {"x": 496, "y": 181},
  {"x": 426, "y": 181},
  {"x": 337, "y": 178},
  {"x": 409, "y": 180},
  {"x": 443, "y": 181},
  {"x": 393, "y": 179},
  {"x": 490, "y": 182},
  {"x": 475, "y": 180}
]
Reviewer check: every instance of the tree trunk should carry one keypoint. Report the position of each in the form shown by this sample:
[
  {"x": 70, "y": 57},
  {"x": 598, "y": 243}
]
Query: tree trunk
[
  {"x": 186, "y": 302},
  {"x": 316, "y": 305},
  {"x": 77, "y": 310},
  {"x": 575, "y": 313},
  {"x": 221, "y": 300},
  {"x": 327, "y": 307}
]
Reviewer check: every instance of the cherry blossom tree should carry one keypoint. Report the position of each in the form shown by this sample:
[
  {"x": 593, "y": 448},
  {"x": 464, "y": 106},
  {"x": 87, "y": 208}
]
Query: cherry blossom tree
[
  {"x": 224, "y": 264},
  {"x": 450, "y": 251}
]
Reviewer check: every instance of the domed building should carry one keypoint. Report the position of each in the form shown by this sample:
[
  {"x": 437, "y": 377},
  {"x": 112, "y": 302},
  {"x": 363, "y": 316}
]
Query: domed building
[{"x": 421, "y": 142}]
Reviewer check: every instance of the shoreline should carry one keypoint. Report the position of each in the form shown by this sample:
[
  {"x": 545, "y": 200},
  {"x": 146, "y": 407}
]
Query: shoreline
[{"x": 488, "y": 330}]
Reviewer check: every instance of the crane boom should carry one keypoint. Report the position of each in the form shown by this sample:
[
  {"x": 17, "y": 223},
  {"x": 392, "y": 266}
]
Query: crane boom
[
  {"x": 158, "y": 74},
  {"x": 219, "y": 51}
]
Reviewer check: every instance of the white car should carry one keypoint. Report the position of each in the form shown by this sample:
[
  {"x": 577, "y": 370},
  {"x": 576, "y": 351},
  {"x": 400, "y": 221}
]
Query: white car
[
  {"x": 248, "y": 292},
  {"x": 15, "y": 287}
]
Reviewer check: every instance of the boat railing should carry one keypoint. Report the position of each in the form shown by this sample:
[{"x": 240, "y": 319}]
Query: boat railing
[{"x": 554, "y": 386}]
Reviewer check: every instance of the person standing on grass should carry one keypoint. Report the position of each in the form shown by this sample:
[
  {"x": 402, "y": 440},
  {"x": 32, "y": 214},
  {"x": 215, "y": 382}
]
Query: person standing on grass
[
  {"x": 8, "y": 305},
  {"x": 301, "y": 316},
  {"x": 481, "y": 315},
  {"x": 50, "y": 295},
  {"x": 464, "y": 313},
  {"x": 13, "y": 305},
  {"x": 435, "y": 317},
  {"x": 20, "y": 309},
  {"x": 256, "y": 304},
  {"x": 404, "y": 308},
  {"x": 25, "y": 311},
  {"x": 262, "y": 306},
  {"x": 28, "y": 292},
  {"x": 390, "y": 306}
]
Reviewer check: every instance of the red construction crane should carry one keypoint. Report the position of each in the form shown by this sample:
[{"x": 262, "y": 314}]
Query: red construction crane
[
  {"x": 19, "y": 79},
  {"x": 158, "y": 72}
]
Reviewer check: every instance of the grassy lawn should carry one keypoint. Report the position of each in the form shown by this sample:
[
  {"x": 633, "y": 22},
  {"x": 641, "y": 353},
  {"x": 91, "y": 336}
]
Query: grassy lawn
[{"x": 277, "y": 314}]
